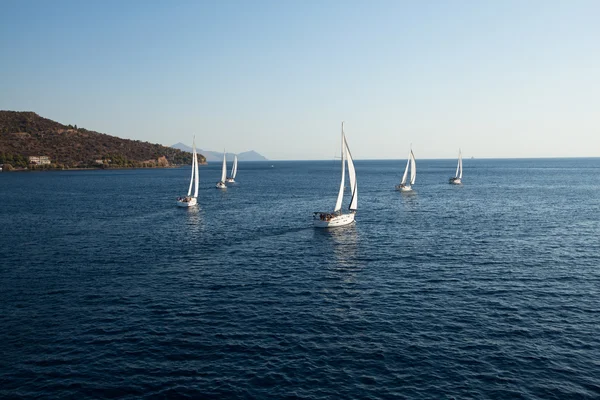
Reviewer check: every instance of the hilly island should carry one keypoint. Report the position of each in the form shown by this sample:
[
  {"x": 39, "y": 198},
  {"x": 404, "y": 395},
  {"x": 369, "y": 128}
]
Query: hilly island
[{"x": 28, "y": 141}]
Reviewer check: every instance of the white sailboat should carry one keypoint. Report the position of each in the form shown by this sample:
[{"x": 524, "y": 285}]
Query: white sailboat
[
  {"x": 337, "y": 218},
  {"x": 221, "y": 183},
  {"x": 457, "y": 180},
  {"x": 412, "y": 165},
  {"x": 231, "y": 179},
  {"x": 189, "y": 201}
]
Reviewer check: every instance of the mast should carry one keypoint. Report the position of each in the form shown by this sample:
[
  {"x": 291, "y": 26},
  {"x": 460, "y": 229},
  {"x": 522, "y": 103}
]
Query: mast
[
  {"x": 457, "y": 165},
  {"x": 460, "y": 163},
  {"x": 352, "y": 176},
  {"x": 196, "y": 175},
  {"x": 413, "y": 168},
  {"x": 338, "y": 203},
  {"x": 224, "y": 169},
  {"x": 193, "y": 161},
  {"x": 234, "y": 167},
  {"x": 403, "y": 181}
]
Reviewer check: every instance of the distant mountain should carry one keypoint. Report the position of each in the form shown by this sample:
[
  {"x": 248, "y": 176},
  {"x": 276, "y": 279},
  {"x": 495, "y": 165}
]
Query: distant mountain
[
  {"x": 212, "y": 156},
  {"x": 26, "y": 134},
  {"x": 251, "y": 156},
  {"x": 182, "y": 147}
]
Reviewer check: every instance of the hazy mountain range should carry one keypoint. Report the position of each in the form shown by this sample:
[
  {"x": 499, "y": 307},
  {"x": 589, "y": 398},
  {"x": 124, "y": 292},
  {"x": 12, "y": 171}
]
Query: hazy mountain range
[{"x": 212, "y": 156}]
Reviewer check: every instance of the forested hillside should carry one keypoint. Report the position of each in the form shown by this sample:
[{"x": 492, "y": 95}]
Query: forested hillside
[{"x": 25, "y": 134}]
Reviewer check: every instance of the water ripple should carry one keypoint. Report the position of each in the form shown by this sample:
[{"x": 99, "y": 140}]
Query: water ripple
[{"x": 489, "y": 290}]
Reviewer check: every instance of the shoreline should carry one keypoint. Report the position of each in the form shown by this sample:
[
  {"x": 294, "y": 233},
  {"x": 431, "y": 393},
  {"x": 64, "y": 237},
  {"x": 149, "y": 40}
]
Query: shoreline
[{"x": 91, "y": 169}]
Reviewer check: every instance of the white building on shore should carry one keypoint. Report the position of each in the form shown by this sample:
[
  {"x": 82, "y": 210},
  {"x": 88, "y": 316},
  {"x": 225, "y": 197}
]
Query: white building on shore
[{"x": 39, "y": 160}]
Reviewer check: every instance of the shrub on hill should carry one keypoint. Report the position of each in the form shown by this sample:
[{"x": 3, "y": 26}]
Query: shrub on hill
[{"x": 24, "y": 134}]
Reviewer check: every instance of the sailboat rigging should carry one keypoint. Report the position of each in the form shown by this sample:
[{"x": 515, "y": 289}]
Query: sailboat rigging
[
  {"x": 231, "y": 179},
  {"x": 457, "y": 180},
  {"x": 189, "y": 201},
  {"x": 412, "y": 166},
  {"x": 221, "y": 183},
  {"x": 337, "y": 217}
]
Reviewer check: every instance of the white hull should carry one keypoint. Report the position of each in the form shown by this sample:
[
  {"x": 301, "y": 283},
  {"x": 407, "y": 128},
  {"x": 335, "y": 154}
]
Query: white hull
[
  {"x": 338, "y": 220},
  {"x": 405, "y": 183},
  {"x": 221, "y": 185},
  {"x": 230, "y": 180},
  {"x": 404, "y": 188},
  {"x": 192, "y": 202},
  {"x": 457, "y": 180}
]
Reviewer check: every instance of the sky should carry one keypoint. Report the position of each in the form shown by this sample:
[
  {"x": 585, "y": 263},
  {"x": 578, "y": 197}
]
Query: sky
[{"x": 499, "y": 79}]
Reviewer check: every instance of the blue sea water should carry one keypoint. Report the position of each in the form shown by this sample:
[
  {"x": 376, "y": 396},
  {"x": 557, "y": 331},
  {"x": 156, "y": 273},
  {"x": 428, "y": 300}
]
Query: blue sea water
[{"x": 489, "y": 290}]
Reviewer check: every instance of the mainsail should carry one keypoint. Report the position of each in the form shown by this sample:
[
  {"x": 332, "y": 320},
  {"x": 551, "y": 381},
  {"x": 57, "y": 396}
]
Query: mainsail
[
  {"x": 459, "y": 166},
  {"x": 224, "y": 169},
  {"x": 352, "y": 176},
  {"x": 196, "y": 175},
  {"x": 194, "y": 168},
  {"x": 338, "y": 203},
  {"x": 234, "y": 167},
  {"x": 413, "y": 168},
  {"x": 403, "y": 181}
]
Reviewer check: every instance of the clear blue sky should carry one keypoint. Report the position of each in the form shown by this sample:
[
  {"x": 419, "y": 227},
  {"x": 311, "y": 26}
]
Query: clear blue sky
[{"x": 497, "y": 78}]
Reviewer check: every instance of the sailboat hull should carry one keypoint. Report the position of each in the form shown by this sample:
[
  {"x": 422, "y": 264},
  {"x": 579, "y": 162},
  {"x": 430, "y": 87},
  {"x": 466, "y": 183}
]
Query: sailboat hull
[
  {"x": 221, "y": 185},
  {"x": 321, "y": 220},
  {"x": 404, "y": 188},
  {"x": 192, "y": 202},
  {"x": 455, "y": 181},
  {"x": 230, "y": 180}
]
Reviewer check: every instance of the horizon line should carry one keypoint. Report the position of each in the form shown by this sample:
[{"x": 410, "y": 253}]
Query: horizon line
[{"x": 433, "y": 159}]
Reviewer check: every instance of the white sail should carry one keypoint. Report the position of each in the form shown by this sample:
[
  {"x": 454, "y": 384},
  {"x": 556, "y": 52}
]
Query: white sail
[
  {"x": 352, "y": 177},
  {"x": 338, "y": 203},
  {"x": 224, "y": 169},
  {"x": 196, "y": 175},
  {"x": 190, "y": 201},
  {"x": 403, "y": 181},
  {"x": 234, "y": 167},
  {"x": 413, "y": 168},
  {"x": 193, "y": 161},
  {"x": 338, "y": 218},
  {"x": 459, "y": 167}
]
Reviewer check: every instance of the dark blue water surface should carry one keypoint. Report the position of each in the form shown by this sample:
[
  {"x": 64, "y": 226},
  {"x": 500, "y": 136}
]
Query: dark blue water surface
[{"x": 486, "y": 290}]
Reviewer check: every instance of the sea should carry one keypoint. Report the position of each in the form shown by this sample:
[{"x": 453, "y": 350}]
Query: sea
[{"x": 485, "y": 290}]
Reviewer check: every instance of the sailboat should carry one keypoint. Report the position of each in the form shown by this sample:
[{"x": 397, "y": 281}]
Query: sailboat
[
  {"x": 231, "y": 179},
  {"x": 457, "y": 180},
  {"x": 410, "y": 164},
  {"x": 337, "y": 218},
  {"x": 189, "y": 201},
  {"x": 221, "y": 183}
]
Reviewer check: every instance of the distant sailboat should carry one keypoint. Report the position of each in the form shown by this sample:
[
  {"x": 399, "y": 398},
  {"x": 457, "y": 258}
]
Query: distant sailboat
[
  {"x": 189, "y": 201},
  {"x": 412, "y": 165},
  {"x": 221, "y": 183},
  {"x": 457, "y": 180},
  {"x": 231, "y": 179},
  {"x": 337, "y": 218}
]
